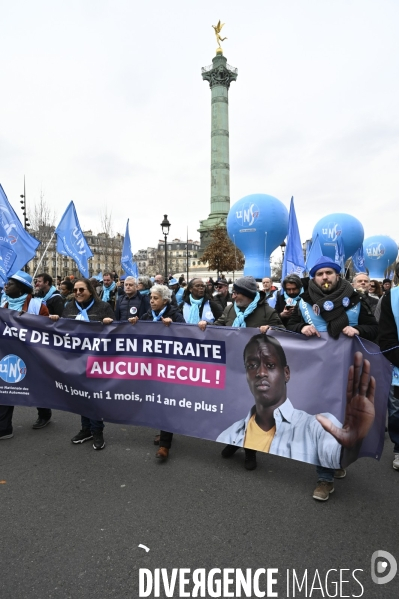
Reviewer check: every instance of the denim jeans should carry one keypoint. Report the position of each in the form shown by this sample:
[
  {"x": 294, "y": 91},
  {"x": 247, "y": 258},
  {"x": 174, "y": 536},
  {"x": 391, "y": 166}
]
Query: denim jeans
[
  {"x": 96, "y": 426},
  {"x": 326, "y": 474},
  {"x": 393, "y": 417}
]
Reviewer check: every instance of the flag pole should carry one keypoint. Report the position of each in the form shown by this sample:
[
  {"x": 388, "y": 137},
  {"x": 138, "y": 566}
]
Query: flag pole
[
  {"x": 187, "y": 257},
  {"x": 44, "y": 253}
]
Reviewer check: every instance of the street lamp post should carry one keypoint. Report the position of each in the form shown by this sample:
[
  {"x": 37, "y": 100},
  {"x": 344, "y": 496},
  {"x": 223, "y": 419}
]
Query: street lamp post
[
  {"x": 165, "y": 224},
  {"x": 23, "y": 208},
  {"x": 283, "y": 246}
]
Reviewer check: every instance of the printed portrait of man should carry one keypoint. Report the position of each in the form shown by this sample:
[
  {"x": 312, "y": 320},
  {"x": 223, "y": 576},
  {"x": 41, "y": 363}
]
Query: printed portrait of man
[{"x": 274, "y": 426}]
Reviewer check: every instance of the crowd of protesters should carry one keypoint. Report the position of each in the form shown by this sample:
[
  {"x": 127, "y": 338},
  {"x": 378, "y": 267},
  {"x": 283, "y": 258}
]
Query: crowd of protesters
[{"x": 323, "y": 302}]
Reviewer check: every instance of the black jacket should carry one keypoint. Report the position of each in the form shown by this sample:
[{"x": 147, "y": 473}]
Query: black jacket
[
  {"x": 367, "y": 324},
  {"x": 55, "y": 304},
  {"x": 97, "y": 312},
  {"x": 122, "y": 310},
  {"x": 171, "y": 312},
  {"x": 388, "y": 337},
  {"x": 262, "y": 315}
]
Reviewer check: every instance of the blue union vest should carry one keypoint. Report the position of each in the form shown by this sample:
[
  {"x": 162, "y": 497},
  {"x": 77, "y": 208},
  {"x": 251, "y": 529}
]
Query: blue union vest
[
  {"x": 395, "y": 309},
  {"x": 318, "y": 321}
]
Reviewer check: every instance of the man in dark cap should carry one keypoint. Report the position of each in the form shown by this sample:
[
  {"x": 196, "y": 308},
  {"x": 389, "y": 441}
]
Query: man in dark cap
[
  {"x": 222, "y": 293},
  {"x": 250, "y": 309},
  {"x": 386, "y": 286},
  {"x": 330, "y": 304}
]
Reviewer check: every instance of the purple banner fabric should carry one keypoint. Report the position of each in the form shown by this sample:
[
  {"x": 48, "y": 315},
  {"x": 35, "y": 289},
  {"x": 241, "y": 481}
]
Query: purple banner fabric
[{"x": 195, "y": 383}]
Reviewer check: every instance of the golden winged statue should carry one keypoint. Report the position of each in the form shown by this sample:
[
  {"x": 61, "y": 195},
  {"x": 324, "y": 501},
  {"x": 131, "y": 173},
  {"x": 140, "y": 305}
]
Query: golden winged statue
[{"x": 218, "y": 29}]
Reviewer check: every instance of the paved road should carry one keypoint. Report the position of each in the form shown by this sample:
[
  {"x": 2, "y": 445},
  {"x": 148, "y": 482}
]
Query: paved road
[{"x": 72, "y": 518}]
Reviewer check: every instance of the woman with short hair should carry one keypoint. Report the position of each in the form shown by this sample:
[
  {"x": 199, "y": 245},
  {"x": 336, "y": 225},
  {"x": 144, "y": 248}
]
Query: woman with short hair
[{"x": 161, "y": 310}]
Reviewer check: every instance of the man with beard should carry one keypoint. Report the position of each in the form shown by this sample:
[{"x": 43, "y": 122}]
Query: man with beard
[
  {"x": 287, "y": 300},
  {"x": 330, "y": 304}
]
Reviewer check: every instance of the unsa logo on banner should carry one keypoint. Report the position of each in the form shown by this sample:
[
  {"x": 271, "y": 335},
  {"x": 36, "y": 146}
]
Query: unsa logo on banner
[
  {"x": 375, "y": 250},
  {"x": 332, "y": 231},
  {"x": 12, "y": 369},
  {"x": 248, "y": 215}
]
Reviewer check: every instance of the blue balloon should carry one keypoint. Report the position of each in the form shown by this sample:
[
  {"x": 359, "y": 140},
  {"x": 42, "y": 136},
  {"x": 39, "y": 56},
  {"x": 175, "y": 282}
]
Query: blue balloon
[
  {"x": 330, "y": 227},
  {"x": 379, "y": 252},
  {"x": 257, "y": 224}
]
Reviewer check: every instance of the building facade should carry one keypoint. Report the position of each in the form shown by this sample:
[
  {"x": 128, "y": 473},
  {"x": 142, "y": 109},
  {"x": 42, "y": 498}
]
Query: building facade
[{"x": 107, "y": 252}]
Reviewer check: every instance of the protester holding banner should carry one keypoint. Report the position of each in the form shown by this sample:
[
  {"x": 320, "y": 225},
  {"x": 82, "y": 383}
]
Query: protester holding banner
[
  {"x": 48, "y": 293},
  {"x": 131, "y": 303},
  {"x": 389, "y": 340},
  {"x": 250, "y": 309},
  {"x": 287, "y": 300},
  {"x": 109, "y": 290},
  {"x": 331, "y": 304},
  {"x": 19, "y": 297},
  {"x": 198, "y": 305},
  {"x": 161, "y": 310},
  {"x": 88, "y": 307}
]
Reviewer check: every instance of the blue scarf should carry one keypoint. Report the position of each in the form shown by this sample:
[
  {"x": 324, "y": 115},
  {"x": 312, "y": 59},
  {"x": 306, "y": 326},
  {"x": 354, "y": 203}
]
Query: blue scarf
[
  {"x": 145, "y": 291},
  {"x": 4, "y": 299},
  {"x": 16, "y": 303},
  {"x": 83, "y": 311},
  {"x": 156, "y": 317},
  {"x": 49, "y": 293},
  {"x": 294, "y": 300},
  {"x": 241, "y": 316},
  {"x": 107, "y": 291},
  {"x": 194, "y": 317}
]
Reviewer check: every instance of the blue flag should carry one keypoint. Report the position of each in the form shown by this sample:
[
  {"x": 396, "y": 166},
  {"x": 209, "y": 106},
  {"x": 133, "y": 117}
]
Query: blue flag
[
  {"x": 358, "y": 260},
  {"x": 294, "y": 262},
  {"x": 340, "y": 254},
  {"x": 314, "y": 254},
  {"x": 128, "y": 265},
  {"x": 17, "y": 246},
  {"x": 71, "y": 241},
  {"x": 99, "y": 277}
]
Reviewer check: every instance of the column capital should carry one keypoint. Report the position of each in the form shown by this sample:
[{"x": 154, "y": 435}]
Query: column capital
[{"x": 219, "y": 73}]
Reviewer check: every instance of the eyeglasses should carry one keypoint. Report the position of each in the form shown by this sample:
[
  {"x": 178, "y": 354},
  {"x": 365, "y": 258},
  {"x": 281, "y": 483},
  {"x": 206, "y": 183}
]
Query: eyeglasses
[
  {"x": 219, "y": 286},
  {"x": 79, "y": 290}
]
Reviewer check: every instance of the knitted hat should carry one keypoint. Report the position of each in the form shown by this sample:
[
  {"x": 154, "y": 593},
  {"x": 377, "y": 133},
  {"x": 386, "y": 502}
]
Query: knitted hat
[
  {"x": 24, "y": 278},
  {"x": 324, "y": 262},
  {"x": 246, "y": 286},
  {"x": 386, "y": 281}
]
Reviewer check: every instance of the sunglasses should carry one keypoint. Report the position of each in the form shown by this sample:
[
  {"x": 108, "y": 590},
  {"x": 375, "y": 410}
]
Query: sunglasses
[{"x": 79, "y": 290}]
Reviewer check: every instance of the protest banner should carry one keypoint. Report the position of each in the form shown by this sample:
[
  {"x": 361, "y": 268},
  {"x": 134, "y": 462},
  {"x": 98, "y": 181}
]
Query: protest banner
[{"x": 195, "y": 383}]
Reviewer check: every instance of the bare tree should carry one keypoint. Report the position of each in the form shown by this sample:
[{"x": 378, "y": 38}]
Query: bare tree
[
  {"x": 106, "y": 236},
  {"x": 41, "y": 215}
]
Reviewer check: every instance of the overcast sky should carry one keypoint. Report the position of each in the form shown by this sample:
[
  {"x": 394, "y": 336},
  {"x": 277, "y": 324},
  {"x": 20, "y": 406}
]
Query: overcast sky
[{"x": 102, "y": 103}]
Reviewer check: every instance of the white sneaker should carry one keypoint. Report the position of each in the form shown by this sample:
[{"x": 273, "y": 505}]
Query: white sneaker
[{"x": 396, "y": 461}]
